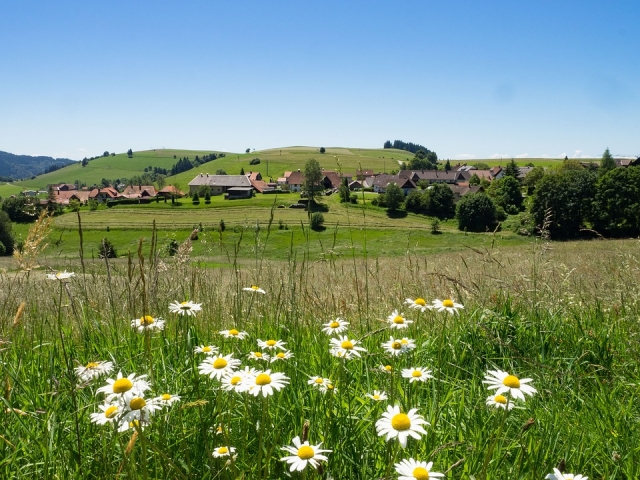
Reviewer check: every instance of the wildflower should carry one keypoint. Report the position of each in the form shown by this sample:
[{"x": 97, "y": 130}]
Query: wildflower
[
  {"x": 166, "y": 399},
  {"x": 136, "y": 407},
  {"x": 394, "y": 423},
  {"x": 93, "y": 370},
  {"x": 133, "y": 425},
  {"x": 206, "y": 349},
  {"x": 408, "y": 343},
  {"x": 396, "y": 320},
  {"x": 259, "y": 356},
  {"x": 417, "y": 374},
  {"x": 265, "y": 382},
  {"x": 232, "y": 381},
  {"x": 218, "y": 366},
  {"x": 303, "y": 454},
  {"x": 336, "y": 326},
  {"x": 233, "y": 333},
  {"x": 254, "y": 289},
  {"x": 286, "y": 355},
  {"x": 412, "y": 469},
  {"x": 320, "y": 383},
  {"x": 271, "y": 344},
  {"x": 121, "y": 385},
  {"x": 377, "y": 396},
  {"x": 418, "y": 303},
  {"x": 499, "y": 401},
  {"x": 446, "y": 305},
  {"x": 147, "y": 322},
  {"x": 60, "y": 275},
  {"x": 344, "y": 348},
  {"x": 385, "y": 368},
  {"x": 398, "y": 346},
  {"x": 223, "y": 451},
  {"x": 185, "y": 308},
  {"x": 107, "y": 415},
  {"x": 556, "y": 475},
  {"x": 504, "y": 382}
]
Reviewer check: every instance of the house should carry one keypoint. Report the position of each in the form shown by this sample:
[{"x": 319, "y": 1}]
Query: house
[
  {"x": 218, "y": 184},
  {"x": 170, "y": 191},
  {"x": 236, "y": 193},
  {"x": 496, "y": 172},
  {"x": 139, "y": 191},
  {"x": 104, "y": 194},
  {"x": 432, "y": 176},
  {"x": 330, "y": 179},
  {"x": 355, "y": 185},
  {"x": 627, "y": 161},
  {"x": 461, "y": 189},
  {"x": 295, "y": 180}
]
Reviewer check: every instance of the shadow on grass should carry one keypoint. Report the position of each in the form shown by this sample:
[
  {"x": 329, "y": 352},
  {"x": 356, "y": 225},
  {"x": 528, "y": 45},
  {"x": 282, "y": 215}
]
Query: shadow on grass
[{"x": 396, "y": 213}]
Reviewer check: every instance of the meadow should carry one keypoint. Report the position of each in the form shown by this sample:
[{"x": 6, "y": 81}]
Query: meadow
[{"x": 564, "y": 315}]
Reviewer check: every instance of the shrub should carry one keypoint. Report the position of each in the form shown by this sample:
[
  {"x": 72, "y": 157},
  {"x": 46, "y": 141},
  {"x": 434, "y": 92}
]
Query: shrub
[
  {"x": 172, "y": 247},
  {"x": 222, "y": 225},
  {"x": 476, "y": 213},
  {"x": 106, "y": 249},
  {"x": 207, "y": 198},
  {"x": 255, "y": 161},
  {"x": 316, "y": 221},
  {"x": 195, "y": 199},
  {"x": 6, "y": 234},
  {"x": 353, "y": 198}
]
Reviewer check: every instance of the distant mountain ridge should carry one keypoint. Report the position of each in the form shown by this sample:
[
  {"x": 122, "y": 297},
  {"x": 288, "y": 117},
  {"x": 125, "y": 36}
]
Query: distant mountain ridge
[{"x": 26, "y": 166}]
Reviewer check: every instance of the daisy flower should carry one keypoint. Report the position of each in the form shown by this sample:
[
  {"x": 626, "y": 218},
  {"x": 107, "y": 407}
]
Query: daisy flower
[
  {"x": 394, "y": 424},
  {"x": 121, "y": 385},
  {"x": 398, "y": 346},
  {"x": 271, "y": 344},
  {"x": 377, "y": 396},
  {"x": 412, "y": 469},
  {"x": 286, "y": 355},
  {"x": 108, "y": 414},
  {"x": 336, "y": 326},
  {"x": 147, "y": 323},
  {"x": 60, "y": 275},
  {"x": 218, "y": 366},
  {"x": 320, "y": 383},
  {"x": 556, "y": 475},
  {"x": 233, "y": 333},
  {"x": 446, "y": 305},
  {"x": 344, "y": 348},
  {"x": 185, "y": 308},
  {"x": 303, "y": 454},
  {"x": 418, "y": 303},
  {"x": 206, "y": 349},
  {"x": 93, "y": 370},
  {"x": 417, "y": 374},
  {"x": 396, "y": 320},
  {"x": 259, "y": 356},
  {"x": 133, "y": 425},
  {"x": 137, "y": 407},
  {"x": 499, "y": 401},
  {"x": 408, "y": 343},
  {"x": 385, "y": 368},
  {"x": 504, "y": 382},
  {"x": 265, "y": 382},
  {"x": 233, "y": 380},
  {"x": 254, "y": 289},
  {"x": 223, "y": 451},
  {"x": 166, "y": 399}
]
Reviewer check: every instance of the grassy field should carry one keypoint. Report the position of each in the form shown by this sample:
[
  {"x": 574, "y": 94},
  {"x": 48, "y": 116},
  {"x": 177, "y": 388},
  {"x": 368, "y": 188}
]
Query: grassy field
[
  {"x": 8, "y": 189},
  {"x": 537, "y": 311}
]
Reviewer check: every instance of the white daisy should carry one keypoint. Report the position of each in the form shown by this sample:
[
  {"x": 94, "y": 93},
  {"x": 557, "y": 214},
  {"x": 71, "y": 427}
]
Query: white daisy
[
  {"x": 93, "y": 370},
  {"x": 286, "y": 355},
  {"x": 417, "y": 374},
  {"x": 121, "y": 385},
  {"x": 271, "y": 344},
  {"x": 408, "y": 343},
  {"x": 223, "y": 451},
  {"x": 418, "y": 303},
  {"x": 265, "y": 382},
  {"x": 166, "y": 399},
  {"x": 218, "y": 366},
  {"x": 233, "y": 333},
  {"x": 136, "y": 407},
  {"x": 398, "y": 346},
  {"x": 108, "y": 414},
  {"x": 499, "y": 401},
  {"x": 303, "y": 454},
  {"x": 206, "y": 349},
  {"x": 320, "y": 383},
  {"x": 557, "y": 475},
  {"x": 233, "y": 381},
  {"x": 342, "y": 347},
  {"x": 503, "y": 382},
  {"x": 147, "y": 323},
  {"x": 378, "y": 396},
  {"x": 259, "y": 356},
  {"x": 132, "y": 425},
  {"x": 254, "y": 289},
  {"x": 396, "y": 320},
  {"x": 385, "y": 368},
  {"x": 394, "y": 424},
  {"x": 185, "y": 308},
  {"x": 60, "y": 275},
  {"x": 412, "y": 470},
  {"x": 446, "y": 305},
  {"x": 336, "y": 326}
]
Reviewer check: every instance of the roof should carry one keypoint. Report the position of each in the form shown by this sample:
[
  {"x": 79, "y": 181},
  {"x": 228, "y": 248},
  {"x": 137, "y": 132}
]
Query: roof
[
  {"x": 170, "y": 189},
  {"x": 253, "y": 176},
  {"x": 430, "y": 175},
  {"x": 295, "y": 178},
  {"x": 260, "y": 185},
  {"x": 239, "y": 189},
  {"x": 204, "y": 179},
  {"x": 135, "y": 191}
]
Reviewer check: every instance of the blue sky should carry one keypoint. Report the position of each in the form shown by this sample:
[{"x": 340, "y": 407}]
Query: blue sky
[{"x": 467, "y": 79}]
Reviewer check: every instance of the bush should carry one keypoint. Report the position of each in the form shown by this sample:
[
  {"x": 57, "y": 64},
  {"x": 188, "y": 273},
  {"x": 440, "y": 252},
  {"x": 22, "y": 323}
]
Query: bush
[
  {"x": 222, "y": 225},
  {"x": 195, "y": 199},
  {"x": 255, "y": 161},
  {"x": 207, "y": 198},
  {"x": 106, "y": 249},
  {"x": 317, "y": 221},
  {"x": 476, "y": 213},
  {"x": 172, "y": 248},
  {"x": 6, "y": 234},
  {"x": 353, "y": 198}
]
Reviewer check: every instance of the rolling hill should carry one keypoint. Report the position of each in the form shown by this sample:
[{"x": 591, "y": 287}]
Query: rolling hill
[{"x": 26, "y": 166}]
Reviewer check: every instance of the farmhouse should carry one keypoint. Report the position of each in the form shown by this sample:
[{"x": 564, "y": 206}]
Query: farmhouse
[{"x": 218, "y": 184}]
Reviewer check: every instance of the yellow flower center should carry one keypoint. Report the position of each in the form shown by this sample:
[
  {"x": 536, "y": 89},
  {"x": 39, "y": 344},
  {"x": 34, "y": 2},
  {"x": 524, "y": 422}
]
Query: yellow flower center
[
  {"x": 388, "y": 368},
  {"x": 146, "y": 320},
  {"x": 420, "y": 473},
  {"x": 319, "y": 380},
  {"x": 401, "y": 422},
  {"x": 254, "y": 287},
  {"x": 347, "y": 345},
  {"x": 258, "y": 354},
  {"x": 416, "y": 373},
  {"x": 420, "y": 301},
  {"x": 206, "y": 349},
  {"x": 376, "y": 397},
  {"x": 398, "y": 320},
  {"x": 447, "y": 303},
  {"x": 305, "y": 452},
  {"x": 396, "y": 346},
  {"x": 404, "y": 341},
  {"x": 330, "y": 387},
  {"x": 134, "y": 424},
  {"x": 219, "y": 363},
  {"x": 137, "y": 403},
  {"x": 263, "y": 379},
  {"x": 92, "y": 365},
  {"x": 223, "y": 450},
  {"x": 183, "y": 303},
  {"x": 235, "y": 380},
  {"x": 122, "y": 385},
  {"x": 511, "y": 381},
  {"x": 271, "y": 343},
  {"x": 334, "y": 325},
  {"x": 500, "y": 399},
  {"x": 234, "y": 332},
  {"x": 111, "y": 411},
  {"x": 166, "y": 397},
  {"x": 280, "y": 355}
]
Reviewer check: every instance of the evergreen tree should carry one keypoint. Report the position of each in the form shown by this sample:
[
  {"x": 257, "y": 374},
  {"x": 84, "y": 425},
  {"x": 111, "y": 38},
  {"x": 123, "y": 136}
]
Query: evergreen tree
[
  {"x": 447, "y": 166},
  {"x": 512, "y": 170},
  {"x": 607, "y": 163},
  {"x": 312, "y": 180},
  {"x": 241, "y": 170}
]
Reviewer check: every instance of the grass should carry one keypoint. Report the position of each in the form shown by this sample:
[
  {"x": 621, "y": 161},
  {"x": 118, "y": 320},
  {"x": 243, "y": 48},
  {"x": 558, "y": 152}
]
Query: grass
[{"x": 537, "y": 310}]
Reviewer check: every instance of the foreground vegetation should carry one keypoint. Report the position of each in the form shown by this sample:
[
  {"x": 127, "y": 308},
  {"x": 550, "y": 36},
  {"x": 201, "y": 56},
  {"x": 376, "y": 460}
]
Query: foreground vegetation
[{"x": 539, "y": 311}]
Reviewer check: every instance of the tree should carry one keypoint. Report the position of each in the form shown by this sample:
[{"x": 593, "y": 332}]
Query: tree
[
  {"x": 394, "y": 197},
  {"x": 617, "y": 203},
  {"x": 447, "y": 166},
  {"x": 105, "y": 154},
  {"x": 415, "y": 201},
  {"x": 512, "y": 169},
  {"x": 195, "y": 199},
  {"x": 439, "y": 201},
  {"x": 344, "y": 192},
  {"x": 6, "y": 233},
  {"x": 316, "y": 222},
  {"x": 312, "y": 180},
  {"x": 322, "y": 150},
  {"x": 241, "y": 170},
  {"x": 106, "y": 249},
  {"x": 85, "y": 162},
  {"x": 476, "y": 213},
  {"x": 607, "y": 163},
  {"x": 506, "y": 193},
  {"x": 221, "y": 171},
  {"x": 532, "y": 178},
  {"x": 247, "y": 150},
  {"x": 129, "y": 153},
  {"x": 474, "y": 180}
]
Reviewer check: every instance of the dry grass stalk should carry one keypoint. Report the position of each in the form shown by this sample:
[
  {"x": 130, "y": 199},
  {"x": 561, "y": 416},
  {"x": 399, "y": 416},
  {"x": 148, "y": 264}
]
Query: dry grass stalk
[
  {"x": 34, "y": 244},
  {"x": 16, "y": 319}
]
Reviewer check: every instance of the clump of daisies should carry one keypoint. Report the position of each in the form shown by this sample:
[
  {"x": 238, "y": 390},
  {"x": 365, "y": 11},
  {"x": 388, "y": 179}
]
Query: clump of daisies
[
  {"x": 503, "y": 382},
  {"x": 398, "y": 346}
]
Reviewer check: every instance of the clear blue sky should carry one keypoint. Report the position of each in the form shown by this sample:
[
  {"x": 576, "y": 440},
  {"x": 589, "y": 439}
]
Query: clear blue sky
[{"x": 467, "y": 79}]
